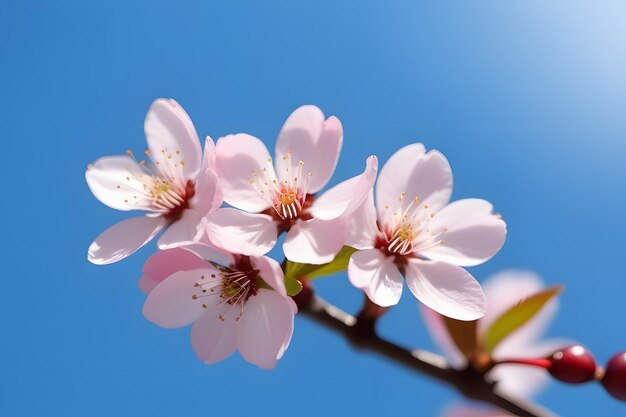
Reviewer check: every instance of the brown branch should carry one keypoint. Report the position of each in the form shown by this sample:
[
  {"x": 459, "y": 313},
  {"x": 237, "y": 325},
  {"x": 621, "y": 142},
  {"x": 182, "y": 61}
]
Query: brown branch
[{"x": 361, "y": 334}]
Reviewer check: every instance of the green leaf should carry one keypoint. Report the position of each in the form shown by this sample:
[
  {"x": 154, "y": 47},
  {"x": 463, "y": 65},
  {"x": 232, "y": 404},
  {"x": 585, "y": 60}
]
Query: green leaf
[
  {"x": 293, "y": 286},
  {"x": 464, "y": 334},
  {"x": 517, "y": 316},
  {"x": 340, "y": 263}
]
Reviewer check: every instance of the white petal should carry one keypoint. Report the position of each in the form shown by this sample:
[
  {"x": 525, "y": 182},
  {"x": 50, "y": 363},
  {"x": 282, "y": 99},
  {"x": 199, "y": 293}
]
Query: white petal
[
  {"x": 448, "y": 289},
  {"x": 172, "y": 138},
  {"x": 377, "y": 275},
  {"x": 363, "y": 228},
  {"x": 264, "y": 329},
  {"x": 184, "y": 231},
  {"x": 347, "y": 197},
  {"x": 519, "y": 381},
  {"x": 208, "y": 197},
  {"x": 312, "y": 140},
  {"x": 237, "y": 157},
  {"x": 411, "y": 170},
  {"x": 171, "y": 303},
  {"x": 209, "y": 252},
  {"x": 113, "y": 181},
  {"x": 294, "y": 310},
  {"x": 208, "y": 158},
  {"x": 214, "y": 339},
  {"x": 271, "y": 272},
  {"x": 474, "y": 234},
  {"x": 315, "y": 241},
  {"x": 123, "y": 239},
  {"x": 241, "y": 232}
]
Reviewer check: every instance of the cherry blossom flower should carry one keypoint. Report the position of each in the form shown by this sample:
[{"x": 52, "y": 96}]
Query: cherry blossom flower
[
  {"x": 502, "y": 292},
  {"x": 278, "y": 195},
  {"x": 242, "y": 306},
  {"x": 415, "y": 232},
  {"x": 177, "y": 189}
]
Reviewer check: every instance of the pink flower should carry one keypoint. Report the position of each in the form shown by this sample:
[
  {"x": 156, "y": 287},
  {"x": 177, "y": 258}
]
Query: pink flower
[
  {"x": 177, "y": 190},
  {"x": 415, "y": 232},
  {"x": 242, "y": 306},
  {"x": 503, "y": 291},
  {"x": 279, "y": 197}
]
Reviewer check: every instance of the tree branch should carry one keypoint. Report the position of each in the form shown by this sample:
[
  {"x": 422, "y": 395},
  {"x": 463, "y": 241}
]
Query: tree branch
[{"x": 361, "y": 334}]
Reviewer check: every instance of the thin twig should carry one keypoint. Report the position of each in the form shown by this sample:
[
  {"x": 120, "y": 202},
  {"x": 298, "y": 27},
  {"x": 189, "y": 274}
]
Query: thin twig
[{"x": 361, "y": 334}]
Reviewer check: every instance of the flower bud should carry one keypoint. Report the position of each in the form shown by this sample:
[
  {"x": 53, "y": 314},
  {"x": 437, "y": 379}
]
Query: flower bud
[
  {"x": 573, "y": 364},
  {"x": 614, "y": 379}
]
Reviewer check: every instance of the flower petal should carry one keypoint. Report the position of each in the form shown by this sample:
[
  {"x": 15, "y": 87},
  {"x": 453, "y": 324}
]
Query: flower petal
[
  {"x": 214, "y": 339},
  {"x": 448, "y": 289},
  {"x": 208, "y": 158},
  {"x": 347, "y": 197},
  {"x": 315, "y": 241},
  {"x": 473, "y": 233},
  {"x": 123, "y": 239},
  {"x": 237, "y": 158},
  {"x": 240, "y": 232},
  {"x": 208, "y": 197},
  {"x": 294, "y": 310},
  {"x": 377, "y": 275},
  {"x": 186, "y": 230},
  {"x": 113, "y": 181},
  {"x": 310, "y": 139},
  {"x": 519, "y": 381},
  {"x": 264, "y": 329},
  {"x": 411, "y": 170},
  {"x": 209, "y": 252},
  {"x": 363, "y": 228},
  {"x": 172, "y": 139},
  {"x": 271, "y": 272},
  {"x": 165, "y": 263},
  {"x": 171, "y": 303}
]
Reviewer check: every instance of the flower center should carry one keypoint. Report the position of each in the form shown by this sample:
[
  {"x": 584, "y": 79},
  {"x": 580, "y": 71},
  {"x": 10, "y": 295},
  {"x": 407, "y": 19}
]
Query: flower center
[
  {"x": 407, "y": 230},
  {"x": 233, "y": 287},
  {"x": 286, "y": 194},
  {"x": 162, "y": 188}
]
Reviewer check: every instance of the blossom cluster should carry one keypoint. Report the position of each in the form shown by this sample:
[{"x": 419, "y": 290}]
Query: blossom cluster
[{"x": 220, "y": 210}]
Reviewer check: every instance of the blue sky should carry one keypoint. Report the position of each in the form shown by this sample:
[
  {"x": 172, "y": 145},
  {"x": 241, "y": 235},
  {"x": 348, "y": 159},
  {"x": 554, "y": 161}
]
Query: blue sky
[{"x": 526, "y": 99}]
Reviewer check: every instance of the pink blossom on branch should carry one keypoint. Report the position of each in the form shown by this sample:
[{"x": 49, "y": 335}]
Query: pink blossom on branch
[
  {"x": 240, "y": 306},
  {"x": 177, "y": 189},
  {"x": 277, "y": 195},
  {"x": 414, "y": 231},
  {"x": 503, "y": 291}
]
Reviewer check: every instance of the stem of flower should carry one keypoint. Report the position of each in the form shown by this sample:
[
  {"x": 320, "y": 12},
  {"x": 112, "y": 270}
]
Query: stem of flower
[
  {"x": 470, "y": 383},
  {"x": 538, "y": 362},
  {"x": 370, "y": 313}
]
